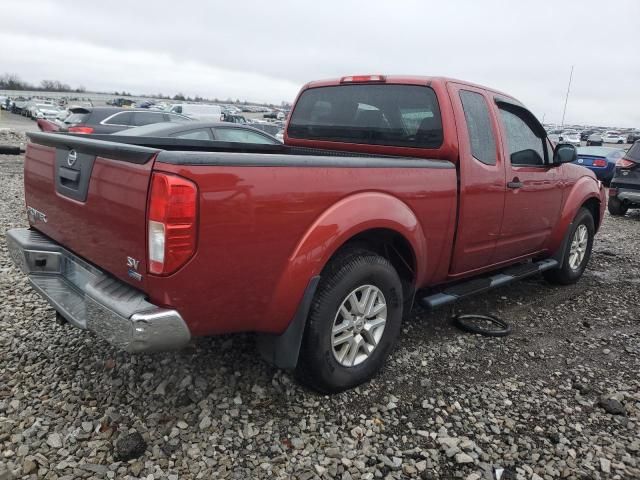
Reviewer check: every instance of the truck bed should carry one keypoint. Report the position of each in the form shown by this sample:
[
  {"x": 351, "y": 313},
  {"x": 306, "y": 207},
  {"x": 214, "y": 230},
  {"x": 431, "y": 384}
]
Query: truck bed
[{"x": 259, "y": 207}]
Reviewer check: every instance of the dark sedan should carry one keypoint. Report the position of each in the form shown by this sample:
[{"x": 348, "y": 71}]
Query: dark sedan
[
  {"x": 220, "y": 131},
  {"x": 112, "y": 119},
  {"x": 600, "y": 160}
]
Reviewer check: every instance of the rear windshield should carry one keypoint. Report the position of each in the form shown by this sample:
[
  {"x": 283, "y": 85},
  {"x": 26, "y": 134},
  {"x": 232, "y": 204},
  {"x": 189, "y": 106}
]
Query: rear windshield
[
  {"x": 634, "y": 152},
  {"x": 75, "y": 118},
  {"x": 395, "y": 115}
]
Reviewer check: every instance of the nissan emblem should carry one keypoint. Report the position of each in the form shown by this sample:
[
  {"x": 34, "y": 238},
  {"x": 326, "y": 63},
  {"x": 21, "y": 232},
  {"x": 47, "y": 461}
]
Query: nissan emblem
[{"x": 71, "y": 158}]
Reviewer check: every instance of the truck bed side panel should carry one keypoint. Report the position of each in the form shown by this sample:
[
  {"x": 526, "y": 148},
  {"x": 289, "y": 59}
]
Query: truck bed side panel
[{"x": 253, "y": 217}]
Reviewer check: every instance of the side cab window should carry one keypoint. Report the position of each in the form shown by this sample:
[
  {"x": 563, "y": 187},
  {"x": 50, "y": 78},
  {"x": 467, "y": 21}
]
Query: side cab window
[{"x": 525, "y": 136}]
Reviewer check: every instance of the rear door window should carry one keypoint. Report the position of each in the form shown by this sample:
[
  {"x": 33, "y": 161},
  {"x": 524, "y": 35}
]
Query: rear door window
[
  {"x": 387, "y": 114},
  {"x": 200, "y": 134},
  {"x": 476, "y": 114},
  {"x": 122, "y": 118},
  {"x": 241, "y": 135},
  {"x": 147, "y": 118}
]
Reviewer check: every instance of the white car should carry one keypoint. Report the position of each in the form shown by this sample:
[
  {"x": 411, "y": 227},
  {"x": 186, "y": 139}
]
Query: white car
[
  {"x": 44, "y": 110},
  {"x": 613, "y": 137},
  {"x": 570, "y": 136},
  {"x": 198, "y": 111}
]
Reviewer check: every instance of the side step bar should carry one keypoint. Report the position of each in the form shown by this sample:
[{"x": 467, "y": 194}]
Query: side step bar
[{"x": 478, "y": 285}]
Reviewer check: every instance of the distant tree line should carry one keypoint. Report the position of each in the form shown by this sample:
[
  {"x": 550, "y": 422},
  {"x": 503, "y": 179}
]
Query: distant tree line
[{"x": 11, "y": 81}]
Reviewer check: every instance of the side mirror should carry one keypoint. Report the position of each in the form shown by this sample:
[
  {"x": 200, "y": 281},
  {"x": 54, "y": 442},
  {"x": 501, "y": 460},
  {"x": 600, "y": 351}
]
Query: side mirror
[{"x": 564, "y": 153}]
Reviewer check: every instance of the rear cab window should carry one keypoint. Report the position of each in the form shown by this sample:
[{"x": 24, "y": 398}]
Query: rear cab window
[
  {"x": 375, "y": 114},
  {"x": 478, "y": 119}
]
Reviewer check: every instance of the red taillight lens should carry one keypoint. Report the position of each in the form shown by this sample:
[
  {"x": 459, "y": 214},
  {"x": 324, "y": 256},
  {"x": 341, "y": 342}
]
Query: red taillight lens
[
  {"x": 599, "y": 163},
  {"x": 79, "y": 129},
  {"x": 624, "y": 163},
  {"x": 172, "y": 219},
  {"x": 363, "y": 79},
  {"x": 613, "y": 192}
]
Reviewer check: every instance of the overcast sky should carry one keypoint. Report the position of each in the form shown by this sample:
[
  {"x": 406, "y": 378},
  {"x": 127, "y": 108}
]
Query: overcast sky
[{"x": 266, "y": 50}]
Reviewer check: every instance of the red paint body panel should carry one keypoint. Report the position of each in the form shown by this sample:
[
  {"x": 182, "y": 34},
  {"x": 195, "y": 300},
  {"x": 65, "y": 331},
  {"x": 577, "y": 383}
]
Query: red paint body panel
[
  {"x": 265, "y": 231},
  {"x": 106, "y": 229}
]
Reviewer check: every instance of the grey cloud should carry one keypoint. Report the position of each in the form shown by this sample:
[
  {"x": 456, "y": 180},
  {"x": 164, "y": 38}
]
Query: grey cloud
[{"x": 267, "y": 50}]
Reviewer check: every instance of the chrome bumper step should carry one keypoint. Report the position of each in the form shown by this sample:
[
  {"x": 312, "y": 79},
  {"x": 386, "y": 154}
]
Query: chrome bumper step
[{"x": 91, "y": 299}]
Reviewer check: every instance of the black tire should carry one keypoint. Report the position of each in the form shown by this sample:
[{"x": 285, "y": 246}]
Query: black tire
[
  {"x": 567, "y": 275},
  {"x": 318, "y": 367},
  {"x": 616, "y": 207}
]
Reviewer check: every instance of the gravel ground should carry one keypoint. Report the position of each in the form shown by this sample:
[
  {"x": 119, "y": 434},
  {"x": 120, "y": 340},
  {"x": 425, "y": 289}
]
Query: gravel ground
[{"x": 558, "y": 398}]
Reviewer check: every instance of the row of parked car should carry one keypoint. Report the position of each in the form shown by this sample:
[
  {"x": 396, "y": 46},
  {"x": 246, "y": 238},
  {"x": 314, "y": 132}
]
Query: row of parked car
[
  {"x": 593, "y": 137},
  {"x": 156, "y": 123}
]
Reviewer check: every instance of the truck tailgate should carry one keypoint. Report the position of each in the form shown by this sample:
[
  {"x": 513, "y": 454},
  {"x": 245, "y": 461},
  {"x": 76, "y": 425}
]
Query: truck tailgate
[{"x": 90, "y": 196}]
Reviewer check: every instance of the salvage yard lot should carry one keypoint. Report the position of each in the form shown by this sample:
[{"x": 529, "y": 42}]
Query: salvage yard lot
[{"x": 447, "y": 405}]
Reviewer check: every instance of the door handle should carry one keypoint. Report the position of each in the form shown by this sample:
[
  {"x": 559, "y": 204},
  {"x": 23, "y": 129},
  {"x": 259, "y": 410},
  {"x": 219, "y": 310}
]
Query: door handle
[{"x": 515, "y": 183}]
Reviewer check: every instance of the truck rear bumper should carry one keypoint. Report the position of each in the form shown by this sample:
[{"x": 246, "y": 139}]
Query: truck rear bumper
[{"x": 90, "y": 299}]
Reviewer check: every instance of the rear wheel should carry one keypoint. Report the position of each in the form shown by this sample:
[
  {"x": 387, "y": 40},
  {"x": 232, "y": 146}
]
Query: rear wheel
[
  {"x": 616, "y": 207},
  {"x": 353, "y": 324},
  {"x": 578, "y": 251}
]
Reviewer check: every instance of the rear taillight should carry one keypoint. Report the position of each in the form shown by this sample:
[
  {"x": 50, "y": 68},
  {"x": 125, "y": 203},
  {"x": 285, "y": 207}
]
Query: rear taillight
[
  {"x": 613, "y": 192},
  {"x": 363, "y": 79},
  {"x": 624, "y": 163},
  {"x": 171, "y": 222},
  {"x": 80, "y": 129},
  {"x": 599, "y": 163}
]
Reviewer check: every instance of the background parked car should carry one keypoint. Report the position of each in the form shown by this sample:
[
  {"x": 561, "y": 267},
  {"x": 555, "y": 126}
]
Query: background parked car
[
  {"x": 44, "y": 110},
  {"x": 624, "y": 191},
  {"x": 220, "y": 131},
  {"x": 570, "y": 136},
  {"x": 584, "y": 135},
  {"x": 633, "y": 137},
  {"x": 113, "y": 119},
  {"x": 595, "y": 140},
  {"x": 600, "y": 160},
  {"x": 212, "y": 113},
  {"x": 613, "y": 136},
  {"x": 554, "y": 135}
]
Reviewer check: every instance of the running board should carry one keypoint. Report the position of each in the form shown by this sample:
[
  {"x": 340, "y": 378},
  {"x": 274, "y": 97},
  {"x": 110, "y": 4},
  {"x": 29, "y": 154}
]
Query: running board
[{"x": 479, "y": 285}]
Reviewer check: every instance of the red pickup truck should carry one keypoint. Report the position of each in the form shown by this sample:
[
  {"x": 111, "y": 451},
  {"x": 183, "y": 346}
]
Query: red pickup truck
[{"x": 387, "y": 190}]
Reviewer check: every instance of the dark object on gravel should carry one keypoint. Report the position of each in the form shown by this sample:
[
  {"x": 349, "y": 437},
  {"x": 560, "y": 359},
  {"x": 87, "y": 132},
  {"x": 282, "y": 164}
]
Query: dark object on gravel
[
  {"x": 129, "y": 446},
  {"x": 10, "y": 150},
  {"x": 482, "y": 324},
  {"x": 612, "y": 406}
]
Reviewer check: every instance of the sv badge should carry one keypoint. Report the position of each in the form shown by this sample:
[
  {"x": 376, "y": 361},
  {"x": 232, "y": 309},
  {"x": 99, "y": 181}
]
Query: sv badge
[{"x": 132, "y": 266}]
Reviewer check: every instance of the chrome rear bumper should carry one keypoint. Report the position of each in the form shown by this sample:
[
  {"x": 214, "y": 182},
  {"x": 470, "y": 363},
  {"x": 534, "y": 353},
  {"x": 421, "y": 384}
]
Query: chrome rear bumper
[{"x": 90, "y": 299}]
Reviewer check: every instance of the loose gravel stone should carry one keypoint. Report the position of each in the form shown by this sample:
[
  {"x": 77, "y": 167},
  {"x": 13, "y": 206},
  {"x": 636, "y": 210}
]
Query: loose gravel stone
[
  {"x": 129, "y": 446},
  {"x": 214, "y": 410}
]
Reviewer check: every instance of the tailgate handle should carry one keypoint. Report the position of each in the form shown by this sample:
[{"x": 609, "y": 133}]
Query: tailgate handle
[{"x": 68, "y": 174}]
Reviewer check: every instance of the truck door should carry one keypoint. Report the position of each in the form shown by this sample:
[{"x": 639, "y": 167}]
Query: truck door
[
  {"x": 481, "y": 178},
  {"x": 533, "y": 198}
]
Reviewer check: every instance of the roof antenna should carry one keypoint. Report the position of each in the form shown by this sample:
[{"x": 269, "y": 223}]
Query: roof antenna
[{"x": 566, "y": 99}]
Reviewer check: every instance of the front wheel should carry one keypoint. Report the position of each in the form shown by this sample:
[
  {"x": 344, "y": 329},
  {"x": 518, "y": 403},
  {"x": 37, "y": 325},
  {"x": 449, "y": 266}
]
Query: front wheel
[
  {"x": 616, "y": 207},
  {"x": 353, "y": 324},
  {"x": 577, "y": 252}
]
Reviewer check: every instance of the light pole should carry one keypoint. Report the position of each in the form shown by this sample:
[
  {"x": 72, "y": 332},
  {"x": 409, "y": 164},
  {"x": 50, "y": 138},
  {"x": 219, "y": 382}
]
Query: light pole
[{"x": 566, "y": 99}]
